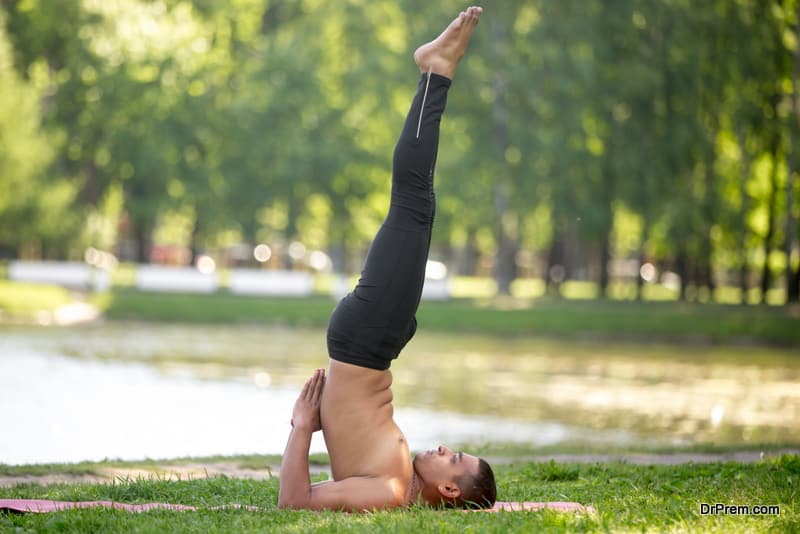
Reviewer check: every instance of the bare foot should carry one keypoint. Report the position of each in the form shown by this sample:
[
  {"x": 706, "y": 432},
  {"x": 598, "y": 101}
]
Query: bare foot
[{"x": 442, "y": 55}]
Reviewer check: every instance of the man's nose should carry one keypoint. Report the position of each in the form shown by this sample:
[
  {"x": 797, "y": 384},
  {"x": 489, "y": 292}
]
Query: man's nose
[{"x": 443, "y": 450}]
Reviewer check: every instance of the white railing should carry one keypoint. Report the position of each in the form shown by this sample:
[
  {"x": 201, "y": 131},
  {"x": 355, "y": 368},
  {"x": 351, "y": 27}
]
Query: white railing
[
  {"x": 271, "y": 283},
  {"x": 74, "y": 275},
  {"x": 175, "y": 279}
]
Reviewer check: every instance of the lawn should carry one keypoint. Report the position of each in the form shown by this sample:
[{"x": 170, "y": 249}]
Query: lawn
[
  {"x": 640, "y": 321},
  {"x": 627, "y": 498},
  {"x": 655, "y": 320},
  {"x": 20, "y": 299}
]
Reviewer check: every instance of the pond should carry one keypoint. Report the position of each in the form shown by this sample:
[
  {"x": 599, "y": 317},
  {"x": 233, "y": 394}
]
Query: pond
[{"x": 134, "y": 390}]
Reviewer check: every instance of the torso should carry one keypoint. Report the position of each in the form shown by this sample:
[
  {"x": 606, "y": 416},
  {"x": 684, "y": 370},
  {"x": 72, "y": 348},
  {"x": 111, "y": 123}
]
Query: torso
[{"x": 359, "y": 429}]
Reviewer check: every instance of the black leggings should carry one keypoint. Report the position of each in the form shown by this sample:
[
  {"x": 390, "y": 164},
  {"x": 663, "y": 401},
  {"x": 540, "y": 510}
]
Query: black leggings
[{"x": 374, "y": 322}]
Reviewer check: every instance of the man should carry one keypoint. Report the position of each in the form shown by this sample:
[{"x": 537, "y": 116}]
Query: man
[{"x": 353, "y": 406}]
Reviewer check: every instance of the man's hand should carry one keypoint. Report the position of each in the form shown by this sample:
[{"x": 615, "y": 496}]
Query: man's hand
[{"x": 306, "y": 408}]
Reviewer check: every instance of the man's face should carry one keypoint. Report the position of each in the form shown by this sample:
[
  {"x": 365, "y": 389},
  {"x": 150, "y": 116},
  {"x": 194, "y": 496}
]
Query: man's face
[{"x": 443, "y": 466}]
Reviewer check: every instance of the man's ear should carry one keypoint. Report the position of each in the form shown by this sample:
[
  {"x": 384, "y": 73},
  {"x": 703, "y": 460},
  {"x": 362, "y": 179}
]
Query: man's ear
[{"x": 449, "y": 491}]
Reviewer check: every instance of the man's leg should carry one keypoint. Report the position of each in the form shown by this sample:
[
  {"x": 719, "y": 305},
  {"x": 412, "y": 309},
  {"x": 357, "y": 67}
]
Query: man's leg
[
  {"x": 395, "y": 265},
  {"x": 394, "y": 271},
  {"x": 373, "y": 323}
]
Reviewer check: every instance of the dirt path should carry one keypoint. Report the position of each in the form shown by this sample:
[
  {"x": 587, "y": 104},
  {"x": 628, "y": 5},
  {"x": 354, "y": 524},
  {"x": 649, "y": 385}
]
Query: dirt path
[
  {"x": 233, "y": 470},
  {"x": 648, "y": 458},
  {"x": 162, "y": 472}
]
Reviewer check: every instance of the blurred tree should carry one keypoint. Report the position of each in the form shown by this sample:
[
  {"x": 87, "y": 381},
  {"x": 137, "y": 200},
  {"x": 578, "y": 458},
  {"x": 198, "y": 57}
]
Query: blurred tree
[
  {"x": 792, "y": 274},
  {"x": 34, "y": 201},
  {"x": 224, "y": 114}
]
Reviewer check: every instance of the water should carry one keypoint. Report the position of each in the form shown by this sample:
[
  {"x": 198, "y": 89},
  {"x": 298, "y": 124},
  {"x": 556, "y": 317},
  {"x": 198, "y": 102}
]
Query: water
[{"x": 139, "y": 390}]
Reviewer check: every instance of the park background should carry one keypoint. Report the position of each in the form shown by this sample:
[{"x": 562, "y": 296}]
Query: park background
[
  {"x": 626, "y": 144},
  {"x": 617, "y": 233}
]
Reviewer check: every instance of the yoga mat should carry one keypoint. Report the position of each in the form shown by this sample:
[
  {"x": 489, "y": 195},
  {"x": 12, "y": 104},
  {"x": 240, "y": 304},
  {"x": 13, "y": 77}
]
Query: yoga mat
[{"x": 43, "y": 506}]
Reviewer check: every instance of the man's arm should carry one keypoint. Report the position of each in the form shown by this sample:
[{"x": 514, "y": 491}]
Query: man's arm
[
  {"x": 352, "y": 494},
  {"x": 295, "y": 488},
  {"x": 295, "y": 482}
]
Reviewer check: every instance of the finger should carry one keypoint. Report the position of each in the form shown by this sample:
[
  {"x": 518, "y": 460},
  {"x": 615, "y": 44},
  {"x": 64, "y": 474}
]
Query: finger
[
  {"x": 319, "y": 384},
  {"x": 311, "y": 383},
  {"x": 318, "y": 387},
  {"x": 306, "y": 388}
]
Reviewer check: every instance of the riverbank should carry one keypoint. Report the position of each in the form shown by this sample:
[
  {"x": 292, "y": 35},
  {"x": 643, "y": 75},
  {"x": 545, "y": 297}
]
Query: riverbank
[
  {"x": 264, "y": 466},
  {"x": 662, "y": 321},
  {"x": 655, "y": 496}
]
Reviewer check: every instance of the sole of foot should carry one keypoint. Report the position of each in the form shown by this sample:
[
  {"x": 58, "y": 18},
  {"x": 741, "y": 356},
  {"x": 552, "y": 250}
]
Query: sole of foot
[{"x": 442, "y": 55}]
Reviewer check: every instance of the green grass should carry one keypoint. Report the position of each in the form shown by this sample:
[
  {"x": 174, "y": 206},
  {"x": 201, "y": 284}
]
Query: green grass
[
  {"x": 521, "y": 450},
  {"x": 664, "y": 321},
  {"x": 627, "y": 498},
  {"x": 661, "y": 320},
  {"x": 508, "y": 451},
  {"x": 24, "y": 300}
]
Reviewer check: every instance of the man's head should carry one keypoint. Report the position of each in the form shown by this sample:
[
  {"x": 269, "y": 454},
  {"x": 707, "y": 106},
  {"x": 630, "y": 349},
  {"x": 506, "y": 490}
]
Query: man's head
[{"x": 455, "y": 479}]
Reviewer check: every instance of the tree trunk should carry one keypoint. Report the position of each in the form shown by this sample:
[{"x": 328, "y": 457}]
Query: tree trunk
[
  {"x": 706, "y": 274},
  {"x": 792, "y": 285},
  {"x": 506, "y": 259},
  {"x": 143, "y": 240},
  {"x": 555, "y": 272},
  {"x": 337, "y": 247},
  {"x": 195, "y": 240},
  {"x": 506, "y": 224},
  {"x": 468, "y": 256},
  {"x": 607, "y": 199},
  {"x": 605, "y": 259},
  {"x": 745, "y": 206},
  {"x": 766, "y": 275},
  {"x": 682, "y": 269},
  {"x": 290, "y": 232},
  {"x": 639, "y": 280},
  {"x": 797, "y": 281}
]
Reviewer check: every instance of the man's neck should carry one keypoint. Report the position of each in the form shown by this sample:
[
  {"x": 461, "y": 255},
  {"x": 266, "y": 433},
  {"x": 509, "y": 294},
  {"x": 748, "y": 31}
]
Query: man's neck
[{"x": 416, "y": 488}]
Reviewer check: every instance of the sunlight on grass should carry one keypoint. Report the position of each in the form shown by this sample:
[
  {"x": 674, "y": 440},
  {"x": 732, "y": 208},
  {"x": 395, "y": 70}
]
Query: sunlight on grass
[
  {"x": 124, "y": 275},
  {"x": 528, "y": 288},
  {"x": 472, "y": 287},
  {"x": 20, "y": 297},
  {"x": 576, "y": 290}
]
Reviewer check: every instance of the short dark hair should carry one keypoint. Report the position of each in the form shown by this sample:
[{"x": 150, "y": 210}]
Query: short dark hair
[{"x": 479, "y": 491}]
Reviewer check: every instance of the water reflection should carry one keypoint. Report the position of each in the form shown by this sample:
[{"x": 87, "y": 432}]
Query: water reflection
[
  {"x": 231, "y": 389},
  {"x": 59, "y": 409}
]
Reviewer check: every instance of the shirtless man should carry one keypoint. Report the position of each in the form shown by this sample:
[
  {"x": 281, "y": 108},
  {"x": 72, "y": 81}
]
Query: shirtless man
[{"x": 370, "y": 459}]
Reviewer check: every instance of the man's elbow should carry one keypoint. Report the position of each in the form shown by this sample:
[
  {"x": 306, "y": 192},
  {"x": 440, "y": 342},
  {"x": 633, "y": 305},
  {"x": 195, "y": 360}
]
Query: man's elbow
[{"x": 286, "y": 502}]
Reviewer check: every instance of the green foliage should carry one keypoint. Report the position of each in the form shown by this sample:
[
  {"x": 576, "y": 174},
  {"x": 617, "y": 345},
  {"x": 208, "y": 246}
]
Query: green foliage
[
  {"x": 24, "y": 155},
  {"x": 577, "y": 132}
]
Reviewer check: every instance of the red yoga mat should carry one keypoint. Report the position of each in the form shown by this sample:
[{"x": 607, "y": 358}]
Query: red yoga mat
[{"x": 42, "y": 506}]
